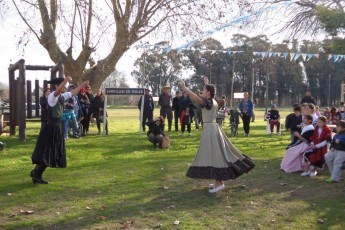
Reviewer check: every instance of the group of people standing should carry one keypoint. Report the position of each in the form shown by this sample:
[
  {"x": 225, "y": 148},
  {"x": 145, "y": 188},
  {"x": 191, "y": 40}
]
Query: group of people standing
[{"x": 78, "y": 110}]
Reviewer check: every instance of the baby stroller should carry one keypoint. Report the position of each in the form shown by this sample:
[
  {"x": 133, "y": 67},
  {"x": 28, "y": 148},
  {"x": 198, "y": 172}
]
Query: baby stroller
[
  {"x": 234, "y": 120},
  {"x": 220, "y": 117}
]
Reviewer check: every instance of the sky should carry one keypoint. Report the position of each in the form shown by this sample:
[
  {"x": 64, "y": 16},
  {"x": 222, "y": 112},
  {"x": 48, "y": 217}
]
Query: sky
[{"x": 35, "y": 54}]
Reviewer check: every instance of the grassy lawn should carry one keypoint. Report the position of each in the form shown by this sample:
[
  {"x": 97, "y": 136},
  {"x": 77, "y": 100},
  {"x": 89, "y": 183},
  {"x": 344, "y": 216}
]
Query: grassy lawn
[{"x": 121, "y": 182}]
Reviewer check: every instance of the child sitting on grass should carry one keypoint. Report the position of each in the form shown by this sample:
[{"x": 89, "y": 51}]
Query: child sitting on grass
[{"x": 336, "y": 155}]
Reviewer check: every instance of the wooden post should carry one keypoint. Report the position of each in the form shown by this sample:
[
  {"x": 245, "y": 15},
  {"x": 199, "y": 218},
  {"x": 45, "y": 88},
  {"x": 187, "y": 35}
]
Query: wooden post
[
  {"x": 12, "y": 102},
  {"x": 37, "y": 97},
  {"x": 22, "y": 99},
  {"x": 28, "y": 99}
]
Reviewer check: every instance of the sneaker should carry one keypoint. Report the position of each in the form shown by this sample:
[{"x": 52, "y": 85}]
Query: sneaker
[
  {"x": 313, "y": 174},
  {"x": 217, "y": 189},
  {"x": 182, "y": 134},
  {"x": 189, "y": 134},
  {"x": 305, "y": 174},
  {"x": 330, "y": 180}
]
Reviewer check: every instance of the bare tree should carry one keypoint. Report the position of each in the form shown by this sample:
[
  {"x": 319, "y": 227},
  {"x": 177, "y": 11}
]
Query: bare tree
[{"x": 76, "y": 33}]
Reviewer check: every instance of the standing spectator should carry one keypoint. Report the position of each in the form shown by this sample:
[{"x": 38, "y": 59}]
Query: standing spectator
[
  {"x": 69, "y": 117},
  {"x": 197, "y": 111},
  {"x": 44, "y": 107},
  {"x": 336, "y": 154},
  {"x": 89, "y": 115},
  {"x": 273, "y": 118},
  {"x": 165, "y": 102},
  {"x": 246, "y": 108},
  {"x": 148, "y": 108},
  {"x": 308, "y": 98},
  {"x": 176, "y": 108},
  {"x": 99, "y": 104},
  {"x": 84, "y": 108},
  {"x": 186, "y": 120}
]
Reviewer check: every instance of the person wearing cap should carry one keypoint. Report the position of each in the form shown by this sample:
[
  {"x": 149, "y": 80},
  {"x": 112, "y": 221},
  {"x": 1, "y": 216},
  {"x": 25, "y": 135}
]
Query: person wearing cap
[
  {"x": 165, "y": 102},
  {"x": 148, "y": 108},
  {"x": 50, "y": 149},
  {"x": 176, "y": 108},
  {"x": 273, "y": 118}
]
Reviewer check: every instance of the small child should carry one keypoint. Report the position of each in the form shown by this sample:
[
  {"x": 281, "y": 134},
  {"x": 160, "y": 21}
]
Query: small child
[
  {"x": 273, "y": 118},
  {"x": 186, "y": 120},
  {"x": 336, "y": 155},
  {"x": 317, "y": 111},
  {"x": 327, "y": 114}
]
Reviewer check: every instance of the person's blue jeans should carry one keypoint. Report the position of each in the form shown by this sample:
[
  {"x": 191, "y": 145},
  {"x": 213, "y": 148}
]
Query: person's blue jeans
[{"x": 67, "y": 118}]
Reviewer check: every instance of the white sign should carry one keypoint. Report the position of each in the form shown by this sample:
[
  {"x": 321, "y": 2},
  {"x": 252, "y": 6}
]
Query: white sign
[{"x": 238, "y": 95}]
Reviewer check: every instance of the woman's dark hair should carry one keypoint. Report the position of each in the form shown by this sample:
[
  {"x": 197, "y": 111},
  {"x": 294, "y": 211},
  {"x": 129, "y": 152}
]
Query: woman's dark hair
[
  {"x": 322, "y": 118},
  {"x": 161, "y": 119},
  {"x": 211, "y": 89},
  {"x": 45, "y": 90},
  {"x": 309, "y": 117},
  {"x": 333, "y": 109},
  {"x": 311, "y": 106},
  {"x": 297, "y": 108}
]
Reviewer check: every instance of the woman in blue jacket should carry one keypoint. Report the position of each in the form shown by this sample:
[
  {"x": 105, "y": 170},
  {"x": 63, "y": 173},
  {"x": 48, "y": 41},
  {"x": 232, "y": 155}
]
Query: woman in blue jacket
[{"x": 246, "y": 108}]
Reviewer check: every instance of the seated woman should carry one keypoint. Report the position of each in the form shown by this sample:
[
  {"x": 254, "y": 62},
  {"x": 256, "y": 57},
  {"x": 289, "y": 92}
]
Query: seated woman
[
  {"x": 315, "y": 155},
  {"x": 293, "y": 159},
  {"x": 156, "y": 131}
]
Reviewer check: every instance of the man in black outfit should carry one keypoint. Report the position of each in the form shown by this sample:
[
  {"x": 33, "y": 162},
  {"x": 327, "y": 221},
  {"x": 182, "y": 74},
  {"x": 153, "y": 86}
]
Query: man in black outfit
[
  {"x": 176, "y": 108},
  {"x": 148, "y": 107},
  {"x": 308, "y": 98},
  {"x": 91, "y": 111}
]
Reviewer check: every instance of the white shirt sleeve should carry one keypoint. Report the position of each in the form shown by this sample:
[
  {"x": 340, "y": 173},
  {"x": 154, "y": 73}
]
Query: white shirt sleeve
[
  {"x": 320, "y": 145},
  {"x": 52, "y": 100}
]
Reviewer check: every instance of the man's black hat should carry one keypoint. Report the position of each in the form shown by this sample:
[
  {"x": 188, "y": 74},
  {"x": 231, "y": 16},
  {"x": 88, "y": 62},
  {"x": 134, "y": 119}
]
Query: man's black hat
[{"x": 56, "y": 81}]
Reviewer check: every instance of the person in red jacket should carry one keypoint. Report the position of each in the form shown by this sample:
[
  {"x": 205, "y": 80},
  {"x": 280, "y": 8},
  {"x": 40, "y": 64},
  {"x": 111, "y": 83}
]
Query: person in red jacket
[{"x": 315, "y": 155}]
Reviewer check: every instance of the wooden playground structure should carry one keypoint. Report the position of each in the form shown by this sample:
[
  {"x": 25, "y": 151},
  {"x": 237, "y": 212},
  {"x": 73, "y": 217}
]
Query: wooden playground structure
[{"x": 20, "y": 96}]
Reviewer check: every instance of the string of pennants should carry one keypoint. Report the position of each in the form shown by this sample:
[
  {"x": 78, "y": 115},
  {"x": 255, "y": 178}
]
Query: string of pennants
[
  {"x": 286, "y": 55},
  {"x": 292, "y": 56}
]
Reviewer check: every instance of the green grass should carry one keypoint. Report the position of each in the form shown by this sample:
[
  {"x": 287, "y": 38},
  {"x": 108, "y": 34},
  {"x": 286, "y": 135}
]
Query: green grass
[{"x": 121, "y": 182}]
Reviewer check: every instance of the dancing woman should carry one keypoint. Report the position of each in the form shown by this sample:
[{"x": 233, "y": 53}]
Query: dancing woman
[
  {"x": 50, "y": 150},
  {"x": 217, "y": 158}
]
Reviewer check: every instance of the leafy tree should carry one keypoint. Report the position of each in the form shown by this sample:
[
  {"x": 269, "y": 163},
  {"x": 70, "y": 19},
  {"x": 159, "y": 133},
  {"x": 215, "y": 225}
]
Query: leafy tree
[{"x": 157, "y": 69}]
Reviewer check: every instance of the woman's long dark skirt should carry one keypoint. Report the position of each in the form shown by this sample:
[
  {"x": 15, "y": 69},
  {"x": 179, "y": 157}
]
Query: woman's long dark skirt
[{"x": 50, "y": 147}]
